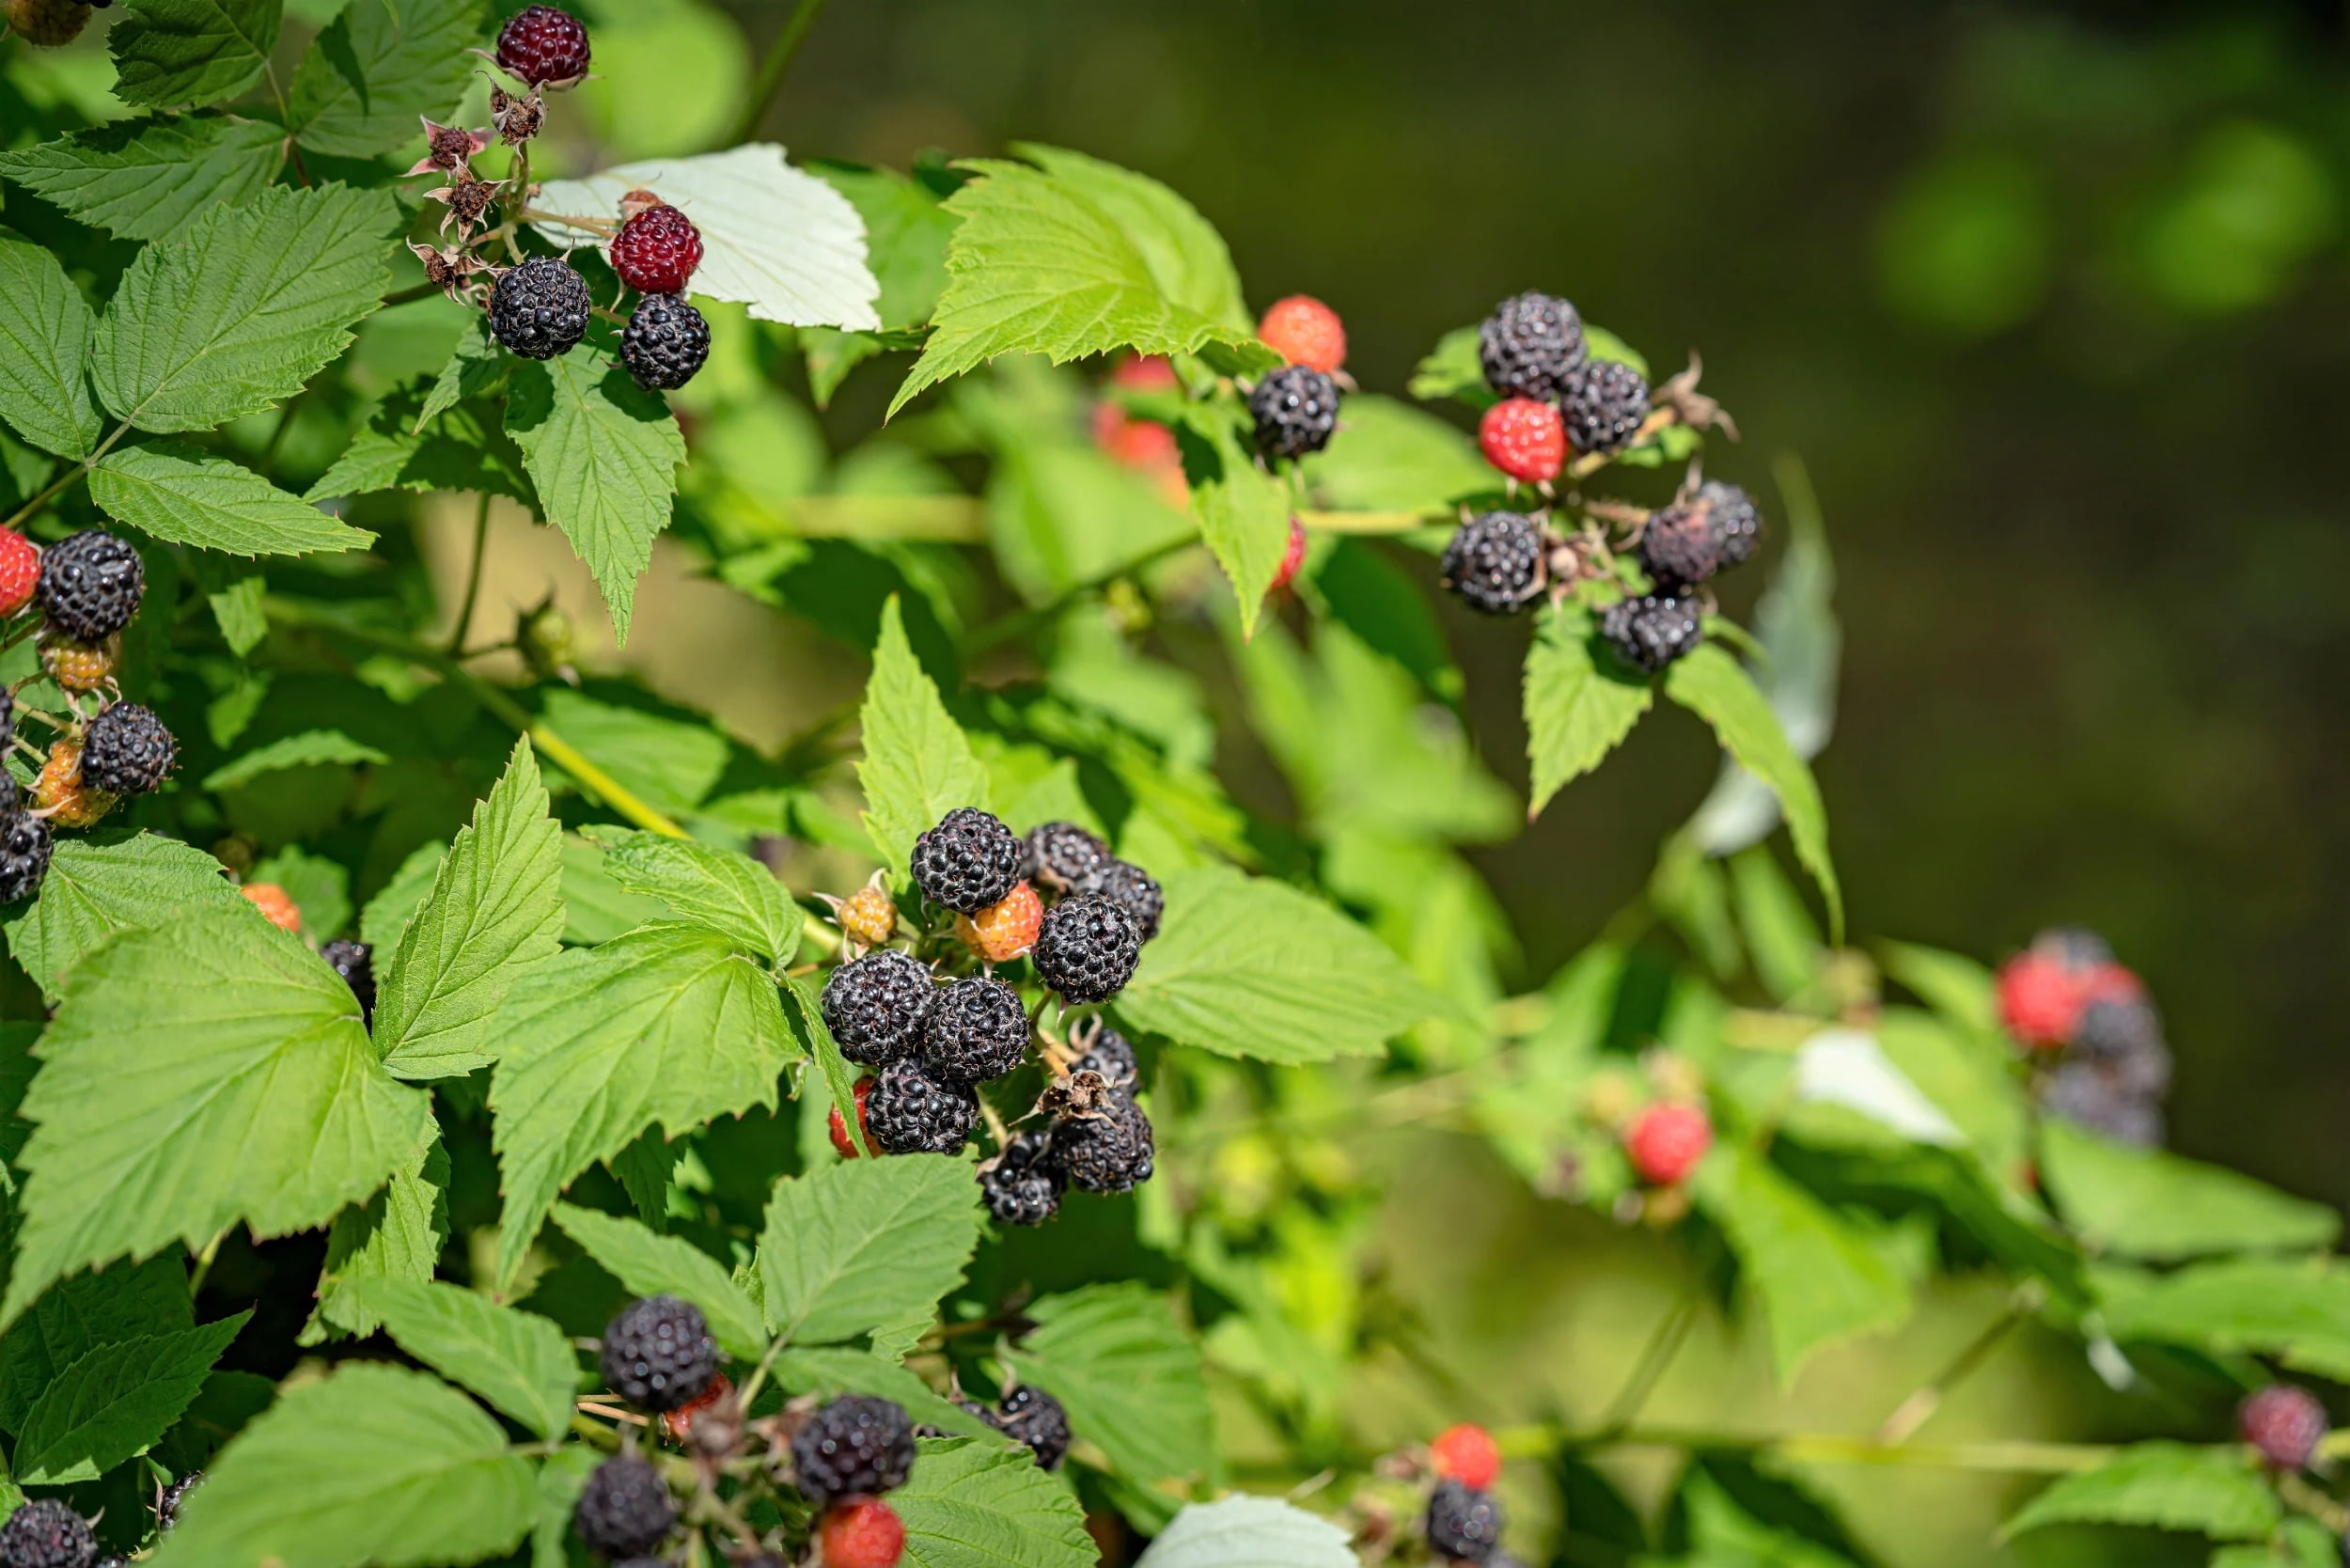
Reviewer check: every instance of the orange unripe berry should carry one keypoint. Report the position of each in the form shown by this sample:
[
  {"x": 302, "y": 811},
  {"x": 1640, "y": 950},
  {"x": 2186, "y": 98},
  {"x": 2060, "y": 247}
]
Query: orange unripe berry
[
  {"x": 79, "y": 667},
  {"x": 60, "y": 792},
  {"x": 869, "y": 915},
  {"x": 1005, "y": 928},
  {"x": 275, "y": 904},
  {"x": 1304, "y": 330}
]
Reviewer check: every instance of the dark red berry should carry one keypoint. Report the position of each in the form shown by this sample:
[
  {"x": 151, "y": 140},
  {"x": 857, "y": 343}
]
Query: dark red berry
[
  {"x": 657, "y": 250},
  {"x": 544, "y": 45}
]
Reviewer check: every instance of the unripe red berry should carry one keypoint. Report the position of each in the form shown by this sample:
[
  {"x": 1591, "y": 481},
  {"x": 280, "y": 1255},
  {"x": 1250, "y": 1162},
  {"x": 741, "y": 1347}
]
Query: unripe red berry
[
  {"x": 1667, "y": 1140},
  {"x": 2285, "y": 1422},
  {"x": 841, "y": 1140},
  {"x": 1467, "y": 1454},
  {"x": 275, "y": 904},
  {"x": 656, "y": 250},
  {"x": 542, "y": 45},
  {"x": 1525, "y": 439},
  {"x": 862, "y": 1532},
  {"x": 2039, "y": 1000},
  {"x": 19, "y": 569},
  {"x": 1146, "y": 373},
  {"x": 1304, "y": 330},
  {"x": 1005, "y": 928},
  {"x": 1292, "y": 558}
]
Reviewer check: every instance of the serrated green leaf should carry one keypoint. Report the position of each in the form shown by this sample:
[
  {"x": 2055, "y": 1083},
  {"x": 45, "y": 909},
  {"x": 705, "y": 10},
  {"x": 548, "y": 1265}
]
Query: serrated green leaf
[
  {"x": 464, "y": 448},
  {"x": 1389, "y": 456},
  {"x": 1710, "y": 684},
  {"x": 669, "y": 763},
  {"x": 1816, "y": 1278},
  {"x": 918, "y": 765},
  {"x": 827, "y": 1371},
  {"x": 1245, "y": 966},
  {"x": 2148, "y": 1203},
  {"x": 1243, "y": 511},
  {"x": 905, "y": 236},
  {"x": 246, "y": 308},
  {"x": 476, "y": 367},
  {"x": 183, "y": 496},
  {"x": 238, "y": 612},
  {"x": 45, "y": 328},
  {"x": 115, "y": 1401},
  {"x": 519, "y": 1361},
  {"x": 173, "y": 52},
  {"x": 732, "y": 894},
  {"x": 2216, "y": 1490},
  {"x": 604, "y": 454},
  {"x": 495, "y": 908},
  {"x": 150, "y": 178},
  {"x": 375, "y": 1465},
  {"x": 108, "y": 883},
  {"x": 1249, "y": 1532},
  {"x": 377, "y": 66},
  {"x": 308, "y": 749},
  {"x": 1578, "y": 710},
  {"x": 201, "y": 1073},
  {"x": 1129, "y": 1375},
  {"x": 2295, "y": 1310},
  {"x": 866, "y": 1242},
  {"x": 646, "y": 1263},
  {"x": 1452, "y": 370},
  {"x": 561, "y": 1479},
  {"x": 1037, "y": 268},
  {"x": 1187, "y": 258},
  {"x": 396, "y": 1234},
  {"x": 396, "y": 904},
  {"x": 76, "y": 1316},
  {"x": 977, "y": 1505},
  {"x": 667, "y": 1025}
]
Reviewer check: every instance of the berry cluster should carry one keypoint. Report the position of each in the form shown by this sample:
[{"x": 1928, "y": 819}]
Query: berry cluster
[
  {"x": 1295, "y": 408},
  {"x": 539, "y": 307},
  {"x": 49, "y": 1532},
  {"x": 934, "y": 1038},
  {"x": 1465, "y": 1519},
  {"x": 2096, "y": 1038}
]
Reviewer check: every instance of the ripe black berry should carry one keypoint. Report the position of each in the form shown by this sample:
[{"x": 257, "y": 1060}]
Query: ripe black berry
[
  {"x": 1059, "y": 855},
  {"x": 875, "y": 1006},
  {"x": 967, "y": 862},
  {"x": 1653, "y": 631},
  {"x": 1463, "y": 1522},
  {"x": 1023, "y": 1184},
  {"x": 664, "y": 343},
  {"x": 539, "y": 308},
  {"x": 2074, "y": 947},
  {"x": 1687, "y": 542},
  {"x": 658, "y": 1354},
  {"x": 2123, "y": 1036},
  {"x": 175, "y": 1496},
  {"x": 126, "y": 750},
  {"x": 910, "y": 1112},
  {"x": 1530, "y": 345},
  {"x": 855, "y": 1446},
  {"x": 23, "y": 852},
  {"x": 2087, "y": 1095},
  {"x": 1605, "y": 401},
  {"x": 90, "y": 585},
  {"x": 978, "y": 1031},
  {"x": 625, "y": 1508},
  {"x": 1112, "y": 1056},
  {"x": 1296, "y": 409},
  {"x": 543, "y": 45},
  {"x": 1494, "y": 563},
  {"x": 1737, "y": 525},
  {"x": 1035, "y": 1418},
  {"x": 353, "y": 961},
  {"x": 1107, "y": 1151},
  {"x": 1133, "y": 890},
  {"x": 7, "y": 718},
  {"x": 47, "y": 1532},
  {"x": 1086, "y": 949}
]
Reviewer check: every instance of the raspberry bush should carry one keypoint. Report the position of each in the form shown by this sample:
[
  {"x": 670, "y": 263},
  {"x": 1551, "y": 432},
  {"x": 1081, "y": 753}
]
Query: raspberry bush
[{"x": 464, "y": 1105}]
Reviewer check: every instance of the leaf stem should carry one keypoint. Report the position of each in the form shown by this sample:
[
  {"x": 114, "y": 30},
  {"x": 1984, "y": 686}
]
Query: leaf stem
[
  {"x": 777, "y": 65},
  {"x": 66, "y": 478},
  {"x": 1656, "y": 1358},
  {"x": 472, "y": 577}
]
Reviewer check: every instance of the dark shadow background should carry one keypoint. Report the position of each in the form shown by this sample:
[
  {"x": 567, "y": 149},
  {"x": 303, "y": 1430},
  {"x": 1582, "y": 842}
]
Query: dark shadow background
[{"x": 2051, "y": 299}]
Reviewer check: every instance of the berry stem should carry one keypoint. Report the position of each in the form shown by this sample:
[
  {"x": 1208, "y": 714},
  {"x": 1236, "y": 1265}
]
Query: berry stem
[
  {"x": 777, "y": 65},
  {"x": 472, "y": 577},
  {"x": 1024, "y": 622}
]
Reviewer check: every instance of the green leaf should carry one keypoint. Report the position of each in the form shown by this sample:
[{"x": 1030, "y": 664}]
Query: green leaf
[
  {"x": 1710, "y": 684},
  {"x": 375, "y": 1465},
  {"x": 650, "y": 1264},
  {"x": 669, "y": 763},
  {"x": 376, "y": 68},
  {"x": 603, "y": 453},
  {"x": 183, "y": 496},
  {"x": 1242, "y": 1532},
  {"x": 465, "y": 449},
  {"x": 476, "y": 367},
  {"x": 173, "y": 52},
  {"x": 977, "y": 1505},
  {"x": 1389, "y": 456},
  {"x": 396, "y": 904},
  {"x": 561, "y": 1480},
  {"x": 1816, "y": 1278},
  {"x": 1577, "y": 708},
  {"x": 918, "y": 765},
  {"x": 396, "y": 1234},
  {"x": 866, "y": 1242},
  {"x": 1245, "y": 966},
  {"x": 732, "y": 894},
  {"x": 519, "y": 1361},
  {"x": 116, "y": 1402},
  {"x": 108, "y": 883},
  {"x": 1038, "y": 268},
  {"x": 78, "y": 1315},
  {"x": 827, "y": 1371},
  {"x": 201, "y": 1073},
  {"x": 1452, "y": 370},
  {"x": 319, "y": 888},
  {"x": 1187, "y": 258},
  {"x": 905, "y": 239},
  {"x": 2147, "y": 1203},
  {"x": 306, "y": 749},
  {"x": 2298, "y": 1310},
  {"x": 665, "y": 1025},
  {"x": 150, "y": 178},
  {"x": 2216, "y": 1490},
  {"x": 239, "y": 611},
  {"x": 45, "y": 328},
  {"x": 1244, "y": 511},
  {"x": 1129, "y": 1376},
  {"x": 496, "y": 907},
  {"x": 245, "y": 309}
]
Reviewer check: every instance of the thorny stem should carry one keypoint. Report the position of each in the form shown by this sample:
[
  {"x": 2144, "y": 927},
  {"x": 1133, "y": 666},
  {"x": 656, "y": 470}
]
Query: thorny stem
[
  {"x": 472, "y": 577},
  {"x": 777, "y": 65}
]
